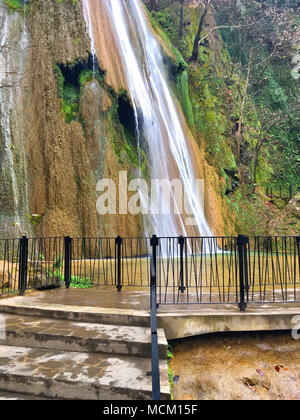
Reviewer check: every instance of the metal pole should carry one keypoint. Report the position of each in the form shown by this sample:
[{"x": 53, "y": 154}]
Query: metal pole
[
  {"x": 154, "y": 337},
  {"x": 154, "y": 245},
  {"x": 241, "y": 245},
  {"x": 246, "y": 242},
  {"x": 181, "y": 242},
  {"x": 23, "y": 263},
  {"x": 118, "y": 242},
  {"x": 298, "y": 249},
  {"x": 67, "y": 263}
]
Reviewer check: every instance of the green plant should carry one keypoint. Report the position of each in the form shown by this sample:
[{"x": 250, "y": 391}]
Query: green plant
[
  {"x": 60, "y": 80},
  {"x": 15, "y": 5},
  {"x": 58, "y": 262},
  {"x": 70, "y": 1},
  {"x": 170, "y": 356},
  {"x": 85, "y": 76},
  {"x": 34, "y": 219},
  {"x": 80, "y": 283}
]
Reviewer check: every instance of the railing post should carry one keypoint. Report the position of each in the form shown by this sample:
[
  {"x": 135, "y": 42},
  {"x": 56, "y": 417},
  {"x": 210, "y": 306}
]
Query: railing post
[
  {"x": 181, "y": 242},
  {"x": 67, "y": 262},
  {"x": 118, "y": 265},
  {"x": 298, "y": 249},
  {"x": 154, "y": 245},
  {"x": 23, "y": 263},
  {"x": 241, "y": 242},
  {"x": 246, "y": 276}
]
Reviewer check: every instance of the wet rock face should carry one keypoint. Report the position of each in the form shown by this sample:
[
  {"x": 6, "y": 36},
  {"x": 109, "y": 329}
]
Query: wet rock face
[
  {"x": 14, "y": 41},
  {"x": 48, "y": 166},
  {"x": 94, "y": 101},
  {"x": 51, "y": 167},
  {"x": 256, "y": 366}
]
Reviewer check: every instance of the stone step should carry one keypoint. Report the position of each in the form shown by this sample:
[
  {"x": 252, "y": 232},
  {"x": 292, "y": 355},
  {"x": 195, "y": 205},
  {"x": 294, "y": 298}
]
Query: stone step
[
  {"x": 25, "y": 306},
  {"x": 77, "y": 376},
  {"x": 25, "y": 331},
  {"x": 13, "y": 396}
]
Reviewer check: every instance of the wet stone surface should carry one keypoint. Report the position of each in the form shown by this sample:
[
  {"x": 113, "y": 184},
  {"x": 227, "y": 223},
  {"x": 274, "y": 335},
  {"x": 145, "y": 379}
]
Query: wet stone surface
[
  {"x": 134, "y": 298},
  {"x": 78, "y": 336},
  {"x": 85, "y": 370}
]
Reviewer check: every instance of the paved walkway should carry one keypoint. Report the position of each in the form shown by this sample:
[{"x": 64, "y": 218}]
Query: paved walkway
[
  {"x": 138, "y": 299},
  {"x": 107, "y": 305}
]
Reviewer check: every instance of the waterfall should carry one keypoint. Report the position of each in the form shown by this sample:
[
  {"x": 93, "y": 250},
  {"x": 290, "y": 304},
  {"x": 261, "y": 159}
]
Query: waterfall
[
  {"x": 87, "y": 18},
  {"x": 157, "y": 118},
  {"x": 13, "y": 186}
]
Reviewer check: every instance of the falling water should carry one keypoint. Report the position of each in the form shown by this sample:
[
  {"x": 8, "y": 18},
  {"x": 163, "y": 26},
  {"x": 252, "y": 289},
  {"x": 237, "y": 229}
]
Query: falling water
[
  {"x": 157, "y": 118},
  {"x": 13, "y": 193},
  {"x": 87, "y": 18}
]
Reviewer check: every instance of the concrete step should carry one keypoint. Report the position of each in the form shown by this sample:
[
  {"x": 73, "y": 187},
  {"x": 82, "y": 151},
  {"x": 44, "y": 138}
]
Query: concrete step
[
  {"x": 25, "y": 306},
  {"x": 73, "y": 375},
  {"x": 13, "y": 396},
  {"x": 75, "y": 336}
]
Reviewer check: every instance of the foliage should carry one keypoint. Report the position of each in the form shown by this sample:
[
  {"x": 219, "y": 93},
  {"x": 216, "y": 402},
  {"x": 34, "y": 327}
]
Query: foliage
[
  {"x": 15, "y": 5},
  {"x": 87, "y": 75},
  {"x": 123, "y": 138},
  {"x": 80, "y": 283},
  {"x": 69, "y": 1},
  {"x": 165, "y": 20},
  {"x": 215, "y": 85},
  {"x": 268, "y": 30},
  {"x": 170, "y": 356},
  {"x": 34, "y": 219}
]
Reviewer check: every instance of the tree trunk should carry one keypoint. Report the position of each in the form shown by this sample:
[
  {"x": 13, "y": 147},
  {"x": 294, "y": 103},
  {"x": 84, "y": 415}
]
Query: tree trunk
[
  {"x": 240, "y": 126},
  {"x": 195, "y": 54}
]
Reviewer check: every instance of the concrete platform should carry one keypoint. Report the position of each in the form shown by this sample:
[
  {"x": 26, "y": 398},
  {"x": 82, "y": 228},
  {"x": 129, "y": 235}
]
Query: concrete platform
[
  {"x": 75, "y": 336},
  {"x": 95, "y": 343},
  {"x": 178, "y": 321},
  {"x": 74, "y": 375}
]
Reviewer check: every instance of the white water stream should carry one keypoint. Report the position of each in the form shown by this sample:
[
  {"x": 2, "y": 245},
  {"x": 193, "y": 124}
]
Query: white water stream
[
  {"x": 14, "y": 42},
  {"x": 157, "y": 118}
]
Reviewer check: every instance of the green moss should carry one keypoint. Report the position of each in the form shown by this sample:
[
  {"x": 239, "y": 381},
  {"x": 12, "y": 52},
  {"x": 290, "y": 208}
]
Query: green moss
[
  {"x": 66, "y": 1},
  {"x": 182, "y": 88},
  {"x": 70, "y": 90},
  {"x": 15, "y": 5},
  {"x": 123, "y": 139},
  {"x": 88, "y": 75}
]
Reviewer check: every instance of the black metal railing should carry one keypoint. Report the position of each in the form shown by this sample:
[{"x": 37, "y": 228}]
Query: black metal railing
[
  {"x": 228, "y": 270},
  {"x": 154, "y": 336},
  {"x": 207, "y": 270},
  {"x": 30, "y": 263}
]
